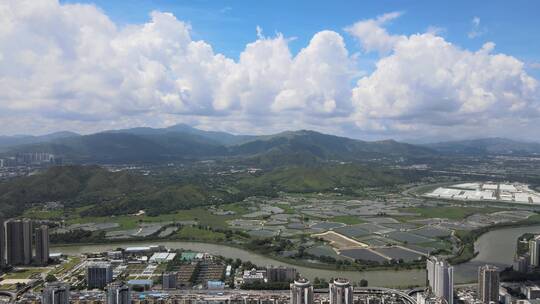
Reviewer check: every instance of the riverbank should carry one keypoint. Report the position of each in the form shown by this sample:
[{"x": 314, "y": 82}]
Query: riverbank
[
  {"x": 468, "y": 238},
  {"x": 466, "y": 253},
  {"x": 495, "y": 247},
  {"x": 289, "y": 261},
  {"x": 384, "y": 278}
]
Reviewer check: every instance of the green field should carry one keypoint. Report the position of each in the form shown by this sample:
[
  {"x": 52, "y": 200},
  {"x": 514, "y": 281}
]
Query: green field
[
  {"x": 194, "y": 233},
  {"x": 201, "y": 215},
  {"x": 25, "y": 273},
  {"x": 238, "y": 208},
  {"x": 37, "y": 213},
  {"x": 286, "y": 208},
  {"x": 67, "y": 266}
]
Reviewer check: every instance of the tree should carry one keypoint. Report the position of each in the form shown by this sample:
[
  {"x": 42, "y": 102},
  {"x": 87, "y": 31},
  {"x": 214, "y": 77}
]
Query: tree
[
  {"x": 301, "y": 251},
  {"x": 363, "y": 283},
  {"x": 50, "y": 278}
]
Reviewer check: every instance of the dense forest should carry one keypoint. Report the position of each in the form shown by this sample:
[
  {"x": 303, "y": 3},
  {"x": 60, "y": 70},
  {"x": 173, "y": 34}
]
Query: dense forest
[{"x": 115, "y": 193}]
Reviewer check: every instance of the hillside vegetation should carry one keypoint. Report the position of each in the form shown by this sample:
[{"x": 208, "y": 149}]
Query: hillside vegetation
[
  {"x": 94, "y": 191},
  {"x": 107, "y": 192},
  {"x": 178, "y": 143},
  {"x": 324, "y": 178}
]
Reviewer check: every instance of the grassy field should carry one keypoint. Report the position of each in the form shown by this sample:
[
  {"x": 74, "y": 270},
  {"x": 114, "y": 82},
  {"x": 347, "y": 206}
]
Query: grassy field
[
  {"x": 195, "y": 233},
  {"x": 347, "y": 219},
  {"x": 201, "y": 215},
  {"x": 25, "y": 273},
  {"x": 62, "y": 269},
  {"x": 238, "y": 208},
  {"x": 287, "y": 208},
  {"x": 38, "y": 213}
]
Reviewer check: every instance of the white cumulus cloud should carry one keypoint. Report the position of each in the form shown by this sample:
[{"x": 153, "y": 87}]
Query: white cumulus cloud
[
  {"x": 63, "y": 62},
  {"x": 68, "y": 66},
  {"x": 427, "y": 81},
  {"x": 373, "y": 36}
]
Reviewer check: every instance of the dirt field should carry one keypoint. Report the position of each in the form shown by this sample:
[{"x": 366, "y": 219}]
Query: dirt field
[{"x": 339, "y": 241}]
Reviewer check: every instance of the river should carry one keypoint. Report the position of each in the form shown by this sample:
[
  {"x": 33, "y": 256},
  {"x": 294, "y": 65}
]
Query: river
[{"x": 495, "y": 247}]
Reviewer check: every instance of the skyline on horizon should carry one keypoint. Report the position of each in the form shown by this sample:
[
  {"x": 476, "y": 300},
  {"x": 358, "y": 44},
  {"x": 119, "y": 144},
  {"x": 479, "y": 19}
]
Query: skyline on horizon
[{"x": 406, "y": 71}]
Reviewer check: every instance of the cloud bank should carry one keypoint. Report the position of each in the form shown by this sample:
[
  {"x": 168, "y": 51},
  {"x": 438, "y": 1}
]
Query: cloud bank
[{"x": 68, "y": 66}]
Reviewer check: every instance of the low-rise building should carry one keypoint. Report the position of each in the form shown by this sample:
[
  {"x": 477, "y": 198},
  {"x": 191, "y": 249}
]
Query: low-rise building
[
  {"x": 531, "y": 292},
  {"x": 504, "y": 296},
  {"x": 162, "y": 257},
  {"x": 141, "y": 285},
  {"x": 254, "y": 276},
  {"x": 215, "y": 285}
]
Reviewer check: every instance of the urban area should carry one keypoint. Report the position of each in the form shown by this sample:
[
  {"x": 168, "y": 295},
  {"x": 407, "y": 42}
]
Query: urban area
[{"x": 156, "y": 274}]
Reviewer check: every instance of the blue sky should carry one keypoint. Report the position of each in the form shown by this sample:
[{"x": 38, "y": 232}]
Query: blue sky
[
  {"x": 408, "y": 70},
  {"x": 229, "y": 25}
]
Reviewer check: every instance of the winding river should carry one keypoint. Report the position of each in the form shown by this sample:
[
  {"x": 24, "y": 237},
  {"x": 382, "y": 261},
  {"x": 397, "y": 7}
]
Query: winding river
[{"x": 495, "y": 247}]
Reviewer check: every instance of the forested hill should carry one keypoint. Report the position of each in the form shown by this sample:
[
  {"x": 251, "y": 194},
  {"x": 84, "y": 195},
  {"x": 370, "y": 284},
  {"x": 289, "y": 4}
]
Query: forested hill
[
  {"x": 109, "y": 192},
  {"x": 158, "y": 145},
  {"x": 303, "y": 147},
  {"x": 95, "y": 191}
]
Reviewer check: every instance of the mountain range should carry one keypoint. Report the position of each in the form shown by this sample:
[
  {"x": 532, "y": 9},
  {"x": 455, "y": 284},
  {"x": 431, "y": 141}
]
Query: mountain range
[
  {"x": 185, "y": 142},
  {"x": 10, "y": 141},
  {"x": 486, "y": 146}
]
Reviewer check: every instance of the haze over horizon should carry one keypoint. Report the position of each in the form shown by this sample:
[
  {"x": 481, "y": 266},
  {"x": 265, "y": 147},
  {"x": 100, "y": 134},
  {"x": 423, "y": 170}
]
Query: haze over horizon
[
  {"x": 406, "y": 71},
  {"x": 418, "y": 141}
]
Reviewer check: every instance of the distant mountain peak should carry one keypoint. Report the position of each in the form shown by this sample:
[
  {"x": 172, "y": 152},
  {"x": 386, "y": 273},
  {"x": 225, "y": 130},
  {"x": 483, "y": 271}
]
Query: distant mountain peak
[
  {"x": 180, "y": 126},
  {"x": 487, "y": 145}
]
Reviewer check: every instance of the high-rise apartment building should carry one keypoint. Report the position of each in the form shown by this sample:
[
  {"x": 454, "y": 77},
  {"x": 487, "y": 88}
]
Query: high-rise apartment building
[
  {"x": 521, "y": 263},
  {"x": 42, "y": 245},
  {"x": 440, "y": 277},
  {"x": 341, "y": 292},
  {"x": 118, "y": 293},
  {"x": 19, "y": 242},
  {"x": 534, "y": 251},
  {"x": 488, "y": 284},
  {"x": 301, "y": 292},
  {"x": 98, "y": 275},
  {"x": 169, "y": 280},
  {"x": 280, "y": 274},
  {"x": 2, "y": 244},
  {"x": 55, "y": 293}
]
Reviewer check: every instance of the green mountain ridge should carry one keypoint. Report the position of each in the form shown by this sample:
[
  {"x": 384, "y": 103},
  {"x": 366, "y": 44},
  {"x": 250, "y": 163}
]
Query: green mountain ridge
[
  {"x": 151, "y": 145},
  {"x": 303, "y": 147},
  {"x": 486, "y": 146},
  {"x": 11, "y": 141}
]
